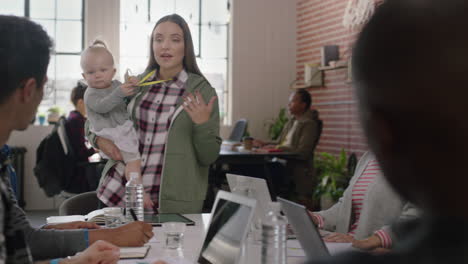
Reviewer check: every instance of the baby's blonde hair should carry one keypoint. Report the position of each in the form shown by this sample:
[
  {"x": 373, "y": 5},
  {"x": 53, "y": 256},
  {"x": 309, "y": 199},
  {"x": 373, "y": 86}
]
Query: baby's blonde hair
[{"x": 98, "y": 46}]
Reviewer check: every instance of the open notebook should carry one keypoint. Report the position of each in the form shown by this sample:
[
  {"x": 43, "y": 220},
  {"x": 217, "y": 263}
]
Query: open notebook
[
  {"x": 134, "y": 252},
  {"x": 96, "y": 216}
]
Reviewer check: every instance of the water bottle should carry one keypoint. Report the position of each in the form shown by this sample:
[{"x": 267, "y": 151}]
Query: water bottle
[
  {"x": 134, "y": 197},
  {"x": 274, "y": 236}
]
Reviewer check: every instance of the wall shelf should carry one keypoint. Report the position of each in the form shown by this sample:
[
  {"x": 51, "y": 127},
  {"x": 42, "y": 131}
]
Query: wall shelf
[
  {"x": 303, "y": 86},
  {"x": 329, "y": 68}
]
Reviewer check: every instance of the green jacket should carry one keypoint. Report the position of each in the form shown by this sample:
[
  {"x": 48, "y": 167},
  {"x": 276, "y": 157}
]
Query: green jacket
[{"x": 190, "y": 149}]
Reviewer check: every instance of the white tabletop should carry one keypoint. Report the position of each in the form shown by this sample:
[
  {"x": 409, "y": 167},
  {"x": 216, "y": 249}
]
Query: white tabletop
[{"x": 193, "y": 238}]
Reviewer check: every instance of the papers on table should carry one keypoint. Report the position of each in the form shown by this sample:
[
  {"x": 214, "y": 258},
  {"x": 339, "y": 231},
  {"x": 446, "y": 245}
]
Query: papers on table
[{"x": 133, "y": 252}]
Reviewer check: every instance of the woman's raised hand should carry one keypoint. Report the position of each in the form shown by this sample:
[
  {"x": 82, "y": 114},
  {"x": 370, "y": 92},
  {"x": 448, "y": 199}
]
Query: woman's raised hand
[{"x": 197, "y": 109}]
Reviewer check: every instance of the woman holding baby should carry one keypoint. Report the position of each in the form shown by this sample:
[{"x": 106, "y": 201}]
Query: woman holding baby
[{"x": 174, "y": 111}]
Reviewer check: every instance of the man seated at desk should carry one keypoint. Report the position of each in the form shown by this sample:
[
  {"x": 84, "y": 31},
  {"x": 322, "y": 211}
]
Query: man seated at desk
[{"x": 300, "y": 135}]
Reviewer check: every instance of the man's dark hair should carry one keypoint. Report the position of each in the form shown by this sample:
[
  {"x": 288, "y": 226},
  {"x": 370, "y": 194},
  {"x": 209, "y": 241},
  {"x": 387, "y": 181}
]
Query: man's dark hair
[
  {"x": 78, "y": 92},
  {"x": 24, "y": 53},
  {"x": 305, "y": 97}
]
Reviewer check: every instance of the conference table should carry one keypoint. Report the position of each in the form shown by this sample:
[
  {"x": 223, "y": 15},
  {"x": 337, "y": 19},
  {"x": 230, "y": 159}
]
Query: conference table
[{"x": 193, "y": 238}]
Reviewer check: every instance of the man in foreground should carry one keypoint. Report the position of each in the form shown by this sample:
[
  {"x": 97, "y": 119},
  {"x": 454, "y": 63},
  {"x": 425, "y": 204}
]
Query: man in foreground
[{"x": 24, "y": 55}]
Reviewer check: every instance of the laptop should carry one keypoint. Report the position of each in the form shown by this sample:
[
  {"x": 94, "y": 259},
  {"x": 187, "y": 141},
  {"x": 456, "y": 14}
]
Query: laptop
[
  {"x": 230, "y": 221},
  {"x": 307, "y": 233},
  {"x": 259, "y": 185}
]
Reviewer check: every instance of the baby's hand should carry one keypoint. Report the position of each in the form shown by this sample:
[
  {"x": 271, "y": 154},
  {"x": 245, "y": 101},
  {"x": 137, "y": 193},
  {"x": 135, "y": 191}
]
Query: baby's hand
[
  {"x": 132, "y": 79},
  {"x": 129, "y": 87},
  {"x": 129, "y": 77}
]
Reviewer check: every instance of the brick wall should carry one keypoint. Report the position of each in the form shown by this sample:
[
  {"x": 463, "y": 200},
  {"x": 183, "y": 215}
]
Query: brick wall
[{"x": 319, "y": 23}]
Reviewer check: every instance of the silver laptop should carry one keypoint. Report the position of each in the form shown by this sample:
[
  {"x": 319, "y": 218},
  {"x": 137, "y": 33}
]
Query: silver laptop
[
  {"x": 307, "y": 233},
  {"x": 262, "y": 194},
  {"x": 230, "y": 221}
]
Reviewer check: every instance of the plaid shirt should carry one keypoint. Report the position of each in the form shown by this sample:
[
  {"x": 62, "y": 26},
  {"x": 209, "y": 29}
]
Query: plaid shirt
[
  {"x": 13, "y": 245},
  {"x": 153, "y": 119}
]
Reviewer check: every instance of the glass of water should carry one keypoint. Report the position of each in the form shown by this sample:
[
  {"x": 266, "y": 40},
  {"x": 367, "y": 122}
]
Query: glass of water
[
  {"x": 113, "y": 216},
  {"x": 173, "y": 234}
]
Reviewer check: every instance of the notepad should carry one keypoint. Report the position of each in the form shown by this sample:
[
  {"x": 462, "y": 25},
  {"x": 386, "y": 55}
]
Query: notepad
[
  {"x": 134, "y": 252},
  {"x": 96, "y": 216}
]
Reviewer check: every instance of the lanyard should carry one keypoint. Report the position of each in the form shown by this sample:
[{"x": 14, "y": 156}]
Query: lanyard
[{"x": 143, "y": 83}]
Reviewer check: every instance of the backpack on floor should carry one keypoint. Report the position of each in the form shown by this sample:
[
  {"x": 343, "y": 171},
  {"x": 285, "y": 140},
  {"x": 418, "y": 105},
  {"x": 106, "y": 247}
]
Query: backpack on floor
[{"x": 54, "y": 168}]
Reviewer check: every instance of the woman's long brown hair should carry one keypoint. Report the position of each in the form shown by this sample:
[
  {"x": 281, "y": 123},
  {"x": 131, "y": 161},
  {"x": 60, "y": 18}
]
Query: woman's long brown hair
[{"x": 189, "y": 61}]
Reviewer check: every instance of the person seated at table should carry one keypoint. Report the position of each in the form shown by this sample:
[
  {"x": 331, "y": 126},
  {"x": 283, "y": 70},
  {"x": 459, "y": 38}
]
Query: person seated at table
[
  {"x": 74, "y": 126},
  {"x": 421, "y": 144},
  {"x": 75, "y": 123},
  {"x": 366, "y": 209},
  {"x": 25, "y": 50},
  {"x": 299, "y": 135}
]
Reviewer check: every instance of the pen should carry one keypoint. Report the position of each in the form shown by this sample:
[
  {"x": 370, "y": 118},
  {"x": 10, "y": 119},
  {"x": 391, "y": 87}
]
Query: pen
[{"x": 133, "y": 214}]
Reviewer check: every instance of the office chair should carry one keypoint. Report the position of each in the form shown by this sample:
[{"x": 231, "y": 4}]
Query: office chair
[
  {"x": 238, "y": 130},
  {"x": 319, "y": 133},
  {"x": 80, "y": 204}
]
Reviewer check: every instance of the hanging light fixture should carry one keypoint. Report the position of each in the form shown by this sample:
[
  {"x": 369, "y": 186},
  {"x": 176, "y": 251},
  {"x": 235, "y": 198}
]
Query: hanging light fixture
[{"x": 357, "y": 13}]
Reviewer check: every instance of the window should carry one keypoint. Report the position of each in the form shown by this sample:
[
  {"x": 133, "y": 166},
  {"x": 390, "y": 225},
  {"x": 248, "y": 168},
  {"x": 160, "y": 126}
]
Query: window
[
  {"x": 63, "y": 21},
  {"x": 208, "y": 21}
]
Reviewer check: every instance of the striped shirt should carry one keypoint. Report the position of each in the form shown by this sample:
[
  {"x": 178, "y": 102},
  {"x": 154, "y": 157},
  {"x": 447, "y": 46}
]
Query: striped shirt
[
  {"x": 359, "y": 192},
  {"x": 153, "y": 119}
]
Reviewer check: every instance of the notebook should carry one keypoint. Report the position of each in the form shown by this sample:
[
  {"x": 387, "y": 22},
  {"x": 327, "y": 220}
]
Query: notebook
[
  {"x": 96, "y": 216},
  {"x": 307, "y": 233},
  {"x": 134, "y": 252}
]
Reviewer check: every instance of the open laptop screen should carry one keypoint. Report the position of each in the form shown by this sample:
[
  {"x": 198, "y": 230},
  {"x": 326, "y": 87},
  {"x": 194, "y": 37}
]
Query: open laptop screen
[{"x": 223, "y": 242}]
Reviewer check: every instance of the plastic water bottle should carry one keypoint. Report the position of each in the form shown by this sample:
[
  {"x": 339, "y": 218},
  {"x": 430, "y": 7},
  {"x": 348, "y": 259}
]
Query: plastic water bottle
[
  {"x": 274, "y": 236},
  {"x": 134, "y": 197}
]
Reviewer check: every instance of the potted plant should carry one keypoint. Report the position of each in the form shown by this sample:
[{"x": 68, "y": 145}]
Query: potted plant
[
  {"x": 41, "y": 118},
  {"x": 53, "y": 114},
  {"x": 276, "y": 126},
  {"x": 333, "y": 177}
]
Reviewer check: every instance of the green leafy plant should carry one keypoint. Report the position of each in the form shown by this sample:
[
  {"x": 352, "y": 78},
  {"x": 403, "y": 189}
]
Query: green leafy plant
[
  {"x": 277, "y": 125},
  {"x": 332, "y": 174},
  {"x": 54, "y": 109}
]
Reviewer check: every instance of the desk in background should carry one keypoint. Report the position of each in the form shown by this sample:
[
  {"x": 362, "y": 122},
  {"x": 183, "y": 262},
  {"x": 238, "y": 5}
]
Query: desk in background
[{"x": 252, "y": 164}]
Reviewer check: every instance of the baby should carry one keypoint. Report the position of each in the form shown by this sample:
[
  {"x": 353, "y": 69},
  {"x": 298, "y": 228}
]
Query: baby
[{"x": 107, "y": 111}]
